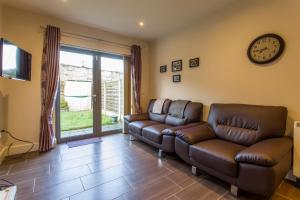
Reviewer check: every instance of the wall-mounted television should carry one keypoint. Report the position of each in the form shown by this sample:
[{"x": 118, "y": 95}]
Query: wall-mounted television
[{"x": 15, "y": 63}]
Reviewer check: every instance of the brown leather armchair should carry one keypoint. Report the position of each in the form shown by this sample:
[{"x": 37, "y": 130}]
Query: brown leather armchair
[
  {"x": 243, "y": 145},
  {"x": 158, "y": 130}
]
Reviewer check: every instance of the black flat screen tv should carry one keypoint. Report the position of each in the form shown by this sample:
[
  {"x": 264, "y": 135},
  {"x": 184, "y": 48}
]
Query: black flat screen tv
[{"x": 15, "y": 63}]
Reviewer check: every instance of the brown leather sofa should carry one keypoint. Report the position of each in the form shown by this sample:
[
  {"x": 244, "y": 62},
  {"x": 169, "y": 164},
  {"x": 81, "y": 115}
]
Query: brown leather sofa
[
  {"x": 158, "y": 130},
  {"x": 243, "y": 145}
]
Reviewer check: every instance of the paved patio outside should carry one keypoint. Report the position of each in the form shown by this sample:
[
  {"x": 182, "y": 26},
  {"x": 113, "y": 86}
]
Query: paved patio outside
[{"x": 87, "y": 131}]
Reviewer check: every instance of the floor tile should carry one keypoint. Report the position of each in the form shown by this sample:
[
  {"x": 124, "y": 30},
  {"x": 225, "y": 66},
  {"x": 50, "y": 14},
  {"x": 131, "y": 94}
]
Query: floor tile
[
  {"x": 146, "y": 177},
  {"x": 202, "y": 190},
  {"x": 159, "y": 189},
  {"x": 117, "y": 169},
  {"x": 181, "y": 178},
  {"x": 25, "y": 188},
  {"x": 289, "y": 191},
  {"x": 105, "y": 191},
  {"x": 4, "y": 169},
  {"x": 59, "y": 191},
  {"x": 172, "y": 197},
  {"x": 279, "y": 197},
  {"x": 60, "y": 177},
  {"x": 27, "y": 166},
  {"x": 64, "y": 165},
  {"x": 104, "y": 176},
  {"x": 105, "y": 164},
  {"x": 24, "y": 175}
]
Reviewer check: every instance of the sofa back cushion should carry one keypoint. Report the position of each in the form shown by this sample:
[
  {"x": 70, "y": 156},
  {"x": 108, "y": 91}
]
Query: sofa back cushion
[
  {"x": 159, "y": 117},
  {"x": 247, "y": 124},
  {"x": 192, "y": 113}
]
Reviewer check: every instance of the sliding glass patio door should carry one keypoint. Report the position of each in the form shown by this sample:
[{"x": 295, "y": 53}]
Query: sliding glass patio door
[{"x": 90, "y": 96}]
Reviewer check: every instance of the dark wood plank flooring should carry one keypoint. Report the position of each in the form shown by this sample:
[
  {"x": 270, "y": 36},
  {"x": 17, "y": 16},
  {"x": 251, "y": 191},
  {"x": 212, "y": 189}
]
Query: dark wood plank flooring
[{"x": 116, "y": 169}]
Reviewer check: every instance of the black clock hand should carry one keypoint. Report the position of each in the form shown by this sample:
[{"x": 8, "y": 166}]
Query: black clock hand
[{"x": 262, "y": 50}]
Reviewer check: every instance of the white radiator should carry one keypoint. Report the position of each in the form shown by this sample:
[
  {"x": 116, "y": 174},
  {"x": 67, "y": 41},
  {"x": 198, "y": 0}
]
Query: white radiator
[{"x": 296, "y": 167}]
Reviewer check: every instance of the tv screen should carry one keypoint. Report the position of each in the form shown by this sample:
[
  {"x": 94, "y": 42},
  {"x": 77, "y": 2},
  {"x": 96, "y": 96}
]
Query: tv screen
[{"x": 15, "y": 63}]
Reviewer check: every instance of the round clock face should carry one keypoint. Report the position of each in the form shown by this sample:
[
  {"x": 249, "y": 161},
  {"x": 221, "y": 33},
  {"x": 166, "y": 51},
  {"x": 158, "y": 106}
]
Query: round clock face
[{"x": 266, "y": 48}]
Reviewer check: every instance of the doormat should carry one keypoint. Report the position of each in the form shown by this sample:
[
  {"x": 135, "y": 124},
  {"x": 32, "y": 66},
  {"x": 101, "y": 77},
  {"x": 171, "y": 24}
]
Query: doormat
[{"x": 83, "y": 142}]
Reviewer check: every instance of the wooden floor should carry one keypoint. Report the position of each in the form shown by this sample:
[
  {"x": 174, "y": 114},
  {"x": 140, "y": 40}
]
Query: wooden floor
[{"x": 115, "y": 169}]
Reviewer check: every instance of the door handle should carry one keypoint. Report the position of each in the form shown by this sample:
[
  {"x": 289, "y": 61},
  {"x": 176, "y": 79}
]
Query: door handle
[{"x": 94, "y": 96}]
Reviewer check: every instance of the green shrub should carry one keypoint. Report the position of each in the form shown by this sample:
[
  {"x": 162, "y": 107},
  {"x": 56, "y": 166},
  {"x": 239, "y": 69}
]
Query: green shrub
[{"x": 63, "y": 104}]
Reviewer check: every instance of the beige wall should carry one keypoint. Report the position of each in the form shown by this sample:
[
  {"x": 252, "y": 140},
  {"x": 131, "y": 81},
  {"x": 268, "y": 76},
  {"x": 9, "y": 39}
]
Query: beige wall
[
  {"x": 226, "y": 74},
  {"x": 1, "y": 82},
  {"x": 23, "y": 28},
  {"x": 1, "y": 30},
  {"x": 1, "y": 18}
]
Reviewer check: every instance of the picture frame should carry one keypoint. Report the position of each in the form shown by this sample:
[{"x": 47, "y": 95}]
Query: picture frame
[
  {"x": 176, "y": 78},
  {"x": 176, "y": 65},
  {"x": 194, "y": 62},
  {"x": 163, "y": 68}
]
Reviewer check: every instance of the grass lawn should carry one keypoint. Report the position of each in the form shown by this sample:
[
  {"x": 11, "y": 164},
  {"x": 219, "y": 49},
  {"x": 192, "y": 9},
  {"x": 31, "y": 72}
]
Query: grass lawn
[{"x": 80, "y": 120}]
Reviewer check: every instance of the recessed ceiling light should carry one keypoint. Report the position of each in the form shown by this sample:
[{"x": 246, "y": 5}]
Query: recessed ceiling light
[
  {"x": 141, "y": 24},
  {"x": 64, "y": 1}
]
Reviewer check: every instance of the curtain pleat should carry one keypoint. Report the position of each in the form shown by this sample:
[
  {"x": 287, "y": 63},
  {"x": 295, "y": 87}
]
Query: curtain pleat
[
  {"x": 136, "y": 76},
  {"x": 49, "y": 84}
]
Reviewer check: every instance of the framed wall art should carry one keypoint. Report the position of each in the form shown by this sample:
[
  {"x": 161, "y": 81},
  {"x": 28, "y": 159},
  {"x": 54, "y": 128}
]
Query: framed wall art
[
  {"x": 194, "y": 62},
  {"x": 176, "y": 65},
  {"x": 176, "y": 78},
  {"x": 163, "y": 68}
]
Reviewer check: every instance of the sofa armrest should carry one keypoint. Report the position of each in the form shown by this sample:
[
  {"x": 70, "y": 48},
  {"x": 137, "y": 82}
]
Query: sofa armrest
[
  {"x": 267, "y": 152},
  {"x": 196, "y": 134},
  {"x": 136, "y": 117},
  {"x": 171, "y": 131}
]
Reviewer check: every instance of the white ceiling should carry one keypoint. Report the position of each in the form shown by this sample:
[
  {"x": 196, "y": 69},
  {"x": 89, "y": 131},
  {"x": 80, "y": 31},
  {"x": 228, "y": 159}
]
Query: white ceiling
[{"x": 122, "y": 16}]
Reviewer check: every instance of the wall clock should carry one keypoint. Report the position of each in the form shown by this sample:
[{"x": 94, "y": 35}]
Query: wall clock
[{"x": 266, "y": 48}]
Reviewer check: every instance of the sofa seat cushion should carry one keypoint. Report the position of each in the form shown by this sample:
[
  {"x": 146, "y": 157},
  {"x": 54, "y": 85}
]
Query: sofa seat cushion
[
  {"x": 218, "y": 155},
  {"x": 154, "y": 132},
  {"x": 137, "y": 126}
]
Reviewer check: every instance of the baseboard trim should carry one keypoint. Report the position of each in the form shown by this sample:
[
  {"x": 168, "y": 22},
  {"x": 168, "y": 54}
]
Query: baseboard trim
[
  {"x": 17, "y": 149},
  {"x": 290, "y": 176},
  {"x": 3, "y": 153},
  {"x": 22, "y": 148}
]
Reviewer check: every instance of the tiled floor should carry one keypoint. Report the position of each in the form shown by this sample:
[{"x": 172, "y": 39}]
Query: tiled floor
[{"x": 116, "y": 169}]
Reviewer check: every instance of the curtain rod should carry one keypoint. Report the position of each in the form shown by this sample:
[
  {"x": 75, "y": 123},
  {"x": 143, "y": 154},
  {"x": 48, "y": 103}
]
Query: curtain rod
[{"x": 91, "y": 38}]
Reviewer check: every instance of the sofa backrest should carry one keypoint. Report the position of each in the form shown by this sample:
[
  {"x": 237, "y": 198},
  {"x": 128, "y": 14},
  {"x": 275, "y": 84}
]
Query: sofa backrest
[
  {"x": 192, "y": 113},
  {"x": 247, "y": 124},
  {"x": 159, "y": 117}
]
